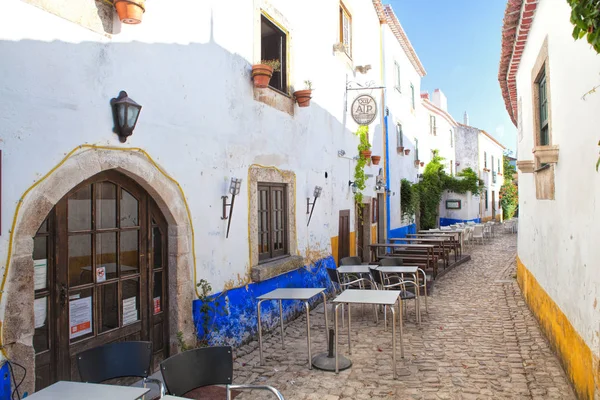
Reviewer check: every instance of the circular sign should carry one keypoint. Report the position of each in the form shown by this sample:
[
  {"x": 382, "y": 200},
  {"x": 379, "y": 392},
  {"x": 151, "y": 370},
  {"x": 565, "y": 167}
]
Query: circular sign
[{"x": 364, "y": 109}]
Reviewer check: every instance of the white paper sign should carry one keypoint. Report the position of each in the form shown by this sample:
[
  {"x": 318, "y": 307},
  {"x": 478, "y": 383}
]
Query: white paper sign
[
  {"x": 100, "y": 274},
  {"x": 80, "y": 317},
  {"x": 130, "y": 312},
  {"x": 39, "y": 309},
  {"x": 40, "y": 268}
]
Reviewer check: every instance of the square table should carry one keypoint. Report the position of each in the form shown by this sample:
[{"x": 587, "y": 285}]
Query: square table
[
  {"x": 386, "y": 298},
  {"x": 89, "y": 391},
  {"x": 355, "y": 269},
  {"x": 292, "y": 294}
]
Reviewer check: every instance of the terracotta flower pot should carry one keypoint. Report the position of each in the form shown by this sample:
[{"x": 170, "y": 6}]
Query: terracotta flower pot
[
  {"x": 376, "y": 159},
  {"x": 366, "y": 154},
  {"x": 303, "y": 97},
  {"x": 400, "y": 149},
  {"x": 130, "y": 11},
  {"x": 422, "y": 164},
  {"x": 417, "y": 162},
  {"x": 406, "y": 152},
  {"x": 261, "y": 75}
]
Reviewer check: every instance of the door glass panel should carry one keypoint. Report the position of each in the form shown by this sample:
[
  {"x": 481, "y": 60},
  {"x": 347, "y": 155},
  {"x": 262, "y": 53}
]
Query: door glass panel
[
  {"x": 40, "y": 262},
  {"x": 80, "y": 210},
  {"x": 43, "y": 227},
  {"x": 40, "y": 337},
  {"x": 109, "y": 306},
  {"x": 131, "y": 301},
  {"x": 106, "y": 205},
  {"x": 129, "y": 210},
  {"x": 129, "y": 252},
  {"x": 157, "y": 247},
  {"x": 106, "y": 256},
  {"x": 157, "y": 297},
  {"x": 81, "y": 314},
  {"x": 80, "y": 260}
]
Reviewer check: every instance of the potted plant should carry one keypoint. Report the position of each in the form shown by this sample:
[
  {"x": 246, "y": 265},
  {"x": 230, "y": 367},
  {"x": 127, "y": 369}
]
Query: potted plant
[
  {"x": 417, "y": 162},
  {"x": 400, "y": 149},
  {"x": 422, "y": 164},
  {"x": 376, "y": 159},
  {"x": 364, "y": 147},
  {"x": 303, "y": 96},
  {"x": 262, "y": 73},
  {"x": 130, "y": 11},
  {"x": 406, "y": 152}
]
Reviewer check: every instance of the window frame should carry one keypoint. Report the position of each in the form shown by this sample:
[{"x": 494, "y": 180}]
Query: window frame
[
  {"x": 345, "y": 13},
  {"x": 397, "y": 84},
  {"x": 542, "y": 94},
  {"x": 399, "y": 135},
  {"x": 283, "y": 53},
  {"x": 272, "y": 254},
  {"x": 412, "y": 91},
  {"x": 451, "y": 139},
  {"x": 417, "y": 149},
  {"x": 432, "y": 125},
  {"x": 485, "y": 159},
  {"x": 540, "y": 74}
]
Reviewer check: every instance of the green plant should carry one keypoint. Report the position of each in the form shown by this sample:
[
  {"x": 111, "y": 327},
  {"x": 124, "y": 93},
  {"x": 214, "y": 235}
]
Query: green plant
[
  {"x": 409, "y": 199},
  {"x": 308, "y": 85},
  {"x": 359, "y": 170},
  {"x": 585, "y": 15},
  {"x": 275, "y": 64}
]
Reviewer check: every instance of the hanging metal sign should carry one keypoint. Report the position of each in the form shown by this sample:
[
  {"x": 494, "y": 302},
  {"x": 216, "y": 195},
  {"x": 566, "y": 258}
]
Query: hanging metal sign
[{"x": 364, "y": 109}]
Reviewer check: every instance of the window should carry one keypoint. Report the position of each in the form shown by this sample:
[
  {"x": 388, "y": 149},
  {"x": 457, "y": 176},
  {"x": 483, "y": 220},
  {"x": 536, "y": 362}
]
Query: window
[
  {"x": 412, "y": 94},
  {"x": 346, "y": 30},
  {"x": 273, "y": 46},
  {"x": 399, "y": 136},
  {"x": 484, "y": 159},
  {"x": 272, "y": 221},
  {"x": 397, "y": 76},
  {"x": 544, "y": 139},
  {"x": 486, "y": 200},
  {"x": 416, "y": 149},
  {"x": 492, "y": 164},
  {"x": 432, "y": 127},
  {"x": 451, "y": 138},
  {"x": 375, "y": 211},
  {"x": 451, "y": 168},
  {"x": 499, "y": 165}
]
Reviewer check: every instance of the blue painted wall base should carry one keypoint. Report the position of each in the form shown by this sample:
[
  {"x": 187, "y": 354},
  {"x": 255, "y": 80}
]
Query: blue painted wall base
[
  {"x": 402, "y": 231},
  {"x": 451, "y": 221},
  {"x": 229, "y": 318},
  {"x": 4, "y": 382}
]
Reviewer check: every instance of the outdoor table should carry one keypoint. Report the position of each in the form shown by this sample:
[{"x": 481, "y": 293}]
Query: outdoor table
[
  {"x": 436, "y": 241},
  {"x": 375, "y": 297},
  {"x": 429, "y": 247},
  {"x": 406, "y": 270},
  {"x": 292, "y": 294},
  {"x": 89, "y": 391},
  {"x": 355, "y": 269}
]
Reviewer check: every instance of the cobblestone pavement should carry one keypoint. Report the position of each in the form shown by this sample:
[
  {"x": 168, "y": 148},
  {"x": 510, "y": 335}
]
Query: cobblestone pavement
[{"x": 479, "y": 341}]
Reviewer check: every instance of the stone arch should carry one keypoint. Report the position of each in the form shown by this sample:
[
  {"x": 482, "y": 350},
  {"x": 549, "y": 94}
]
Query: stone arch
[{"x": 18, "y": 324}]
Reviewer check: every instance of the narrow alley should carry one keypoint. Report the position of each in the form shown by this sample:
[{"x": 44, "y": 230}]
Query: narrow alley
[{"x": 479, "y": 340}]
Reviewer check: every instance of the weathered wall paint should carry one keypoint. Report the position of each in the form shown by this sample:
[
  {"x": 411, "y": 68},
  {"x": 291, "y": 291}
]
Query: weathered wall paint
[
  {"x": 582, "y": 367},
  {"x": 231, "y": 318}
]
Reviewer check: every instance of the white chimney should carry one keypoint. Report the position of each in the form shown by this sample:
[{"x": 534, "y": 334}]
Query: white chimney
[
  {"x": 466, "y": 119},
  {"x": 439, "y": 99}
]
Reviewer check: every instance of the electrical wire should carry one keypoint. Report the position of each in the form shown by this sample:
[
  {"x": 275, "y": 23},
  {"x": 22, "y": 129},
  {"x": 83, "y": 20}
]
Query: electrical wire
[{"x": 12, "y": 374}]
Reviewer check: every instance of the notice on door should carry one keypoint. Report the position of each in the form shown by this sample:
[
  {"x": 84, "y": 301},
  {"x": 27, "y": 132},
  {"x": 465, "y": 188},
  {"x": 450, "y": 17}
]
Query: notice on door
[
  {"x": 40, "y": 268},
  {"x": 130, "y": 312},
  {"x": 39, "y": 311},
  {"x": 80, "y": 317}
]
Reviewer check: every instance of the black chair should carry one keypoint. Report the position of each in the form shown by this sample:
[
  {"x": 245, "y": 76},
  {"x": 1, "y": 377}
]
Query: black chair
[
  {"x": 206, "y": 366},
  {"x": 351, "y": 261},
  {"x": 391, "y": 262},
  {"x": 408, "y": 289},
  {"x": 117, "y": 360}
]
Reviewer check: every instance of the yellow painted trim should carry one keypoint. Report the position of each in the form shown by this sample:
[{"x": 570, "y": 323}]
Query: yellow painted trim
[
  {"x": 43, "y": 178},
  {"x": 582, "y": 367},
  {"x": 334, "y": 249},
  {"x": 352, "y": 244},
  {"x": 373, "y": 233}
]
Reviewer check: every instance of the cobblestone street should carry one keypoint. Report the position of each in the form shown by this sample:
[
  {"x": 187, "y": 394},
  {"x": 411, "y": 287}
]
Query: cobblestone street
[{"x": 478, "y": 341}]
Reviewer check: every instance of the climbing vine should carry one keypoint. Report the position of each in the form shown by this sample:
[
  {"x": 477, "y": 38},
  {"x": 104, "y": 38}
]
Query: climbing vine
[
  {"x": 409, "y": 199},
  {"x": 359, "y": 171},
  {"x": 509, "y": 193}
]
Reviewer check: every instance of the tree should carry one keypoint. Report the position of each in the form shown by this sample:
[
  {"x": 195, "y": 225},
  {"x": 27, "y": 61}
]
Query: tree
[{"x": 509, "y": 192}]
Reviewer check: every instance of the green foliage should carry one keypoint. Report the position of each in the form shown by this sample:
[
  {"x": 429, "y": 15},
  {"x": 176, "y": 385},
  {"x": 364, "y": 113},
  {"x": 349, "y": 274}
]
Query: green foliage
[
  {"x": 359, "y": 171},
  {"x": 409, "y": 198},
  {"x": 435, "y": 181},
  {"x": 509, "y": 192},
  {"x": 585, "y": 15},
  {"x": 275, "y": 64},
  {"x": 508, "y": 168}
]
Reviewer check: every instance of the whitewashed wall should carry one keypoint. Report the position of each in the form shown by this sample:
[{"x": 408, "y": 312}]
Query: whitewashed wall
[
  {"x": 191, "y": 73},
  {"x": 445, "y": 126},
  {"x": 557, "y": 238},
  {"x": 489, "y": 148}
]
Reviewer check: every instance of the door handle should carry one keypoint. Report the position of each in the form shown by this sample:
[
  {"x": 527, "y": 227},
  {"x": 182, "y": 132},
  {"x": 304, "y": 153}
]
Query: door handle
[{"x": 63, "y": 295}]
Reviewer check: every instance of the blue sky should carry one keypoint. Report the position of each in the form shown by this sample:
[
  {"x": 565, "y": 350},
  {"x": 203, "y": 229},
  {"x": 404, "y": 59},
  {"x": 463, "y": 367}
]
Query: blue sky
[{"x": 458, "y": 42}]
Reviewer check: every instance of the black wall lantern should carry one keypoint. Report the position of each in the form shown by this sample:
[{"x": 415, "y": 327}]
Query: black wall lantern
[
  {"x": 353, "y": 186},
  {"x": 317, "y": 193},
  {"x": 234, "y": 190},
  {"x": 125, "y": 115}
]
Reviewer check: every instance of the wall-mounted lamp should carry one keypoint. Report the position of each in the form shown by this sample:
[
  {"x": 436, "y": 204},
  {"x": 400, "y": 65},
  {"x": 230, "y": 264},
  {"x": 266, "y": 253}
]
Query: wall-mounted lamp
[
  {"x": 234, "y": 190},
  {"x": 125, "y": 115},
  {"x": 341, "y": 153},
  {"x": 420, "y": 177},
  {"x": 316, "y": 194},
  {"x": 353, "y": 186}
]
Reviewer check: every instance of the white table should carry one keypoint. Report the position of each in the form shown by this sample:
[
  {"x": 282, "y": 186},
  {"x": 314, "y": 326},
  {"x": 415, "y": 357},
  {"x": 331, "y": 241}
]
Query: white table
[
  {"x": 386, "y": 298},
  {"x": 292, "y": 294},
  {"x": 89, "y": 391},
  {"x": 355, "y": 269}
]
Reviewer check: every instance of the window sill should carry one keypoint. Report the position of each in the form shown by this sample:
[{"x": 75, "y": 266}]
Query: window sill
[
  {"x": 344, "y": 57},
  {"x": 276, "y": 99},
  {"x": 546, "y": 154},
  {"x": 525, "y": 166},
  {"x": 271, "y": 269}
]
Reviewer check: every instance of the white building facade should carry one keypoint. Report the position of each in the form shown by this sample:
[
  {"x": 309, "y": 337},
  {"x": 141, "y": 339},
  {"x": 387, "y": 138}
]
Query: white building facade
[{"x": 543, "y": 87}]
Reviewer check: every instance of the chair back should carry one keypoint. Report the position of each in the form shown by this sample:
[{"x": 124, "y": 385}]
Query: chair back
[
  {"x": 391, "y": 262},
  {"x": 115, "y": 360},
  {"x": 197, "y": 368},
  {"x": 351, "y": 261},
  {"x": 333, "y": 275},
  {"x": 376, "y": 274},
  {"x": 478, "y": 230},
  {"x": 445, "y": 228}
]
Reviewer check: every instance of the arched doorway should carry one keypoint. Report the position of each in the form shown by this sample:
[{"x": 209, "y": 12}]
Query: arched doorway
[{"x": 100, "y": 275}]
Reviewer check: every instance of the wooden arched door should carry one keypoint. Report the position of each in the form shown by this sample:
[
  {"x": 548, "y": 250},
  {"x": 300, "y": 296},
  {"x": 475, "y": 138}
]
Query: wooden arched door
[{"x": 100, "y": 262}]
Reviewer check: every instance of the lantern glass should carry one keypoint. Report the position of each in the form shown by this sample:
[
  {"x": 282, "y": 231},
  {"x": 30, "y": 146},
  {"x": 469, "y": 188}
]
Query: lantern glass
[
  {"x": 318, "y": 190},
  {"x": 234, "y": 186},
  {"x": 132, "y": 115},
  {"x": 121, "y": 107},
  {"x": 354, "y": 188}
]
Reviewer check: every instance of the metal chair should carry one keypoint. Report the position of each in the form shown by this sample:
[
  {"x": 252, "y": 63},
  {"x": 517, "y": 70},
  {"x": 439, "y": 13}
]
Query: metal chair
[
  {"x": 353, "y": 260},
  {"x": 478, "y": 233},
  {"x": 206, "y": 366},
  {"x": 118, "y": 360},
  {"x": 351, "y": 284},
  {"x": 403, "y": 286}
]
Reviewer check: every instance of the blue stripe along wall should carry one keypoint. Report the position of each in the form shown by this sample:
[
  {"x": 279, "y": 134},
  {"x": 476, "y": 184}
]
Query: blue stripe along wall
[
  {"x": 403, "y": 231},
  {"x": 450, "y": 221},
  {"x": 5, "y": 382},
  {"x": 229, "y": 318}
]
